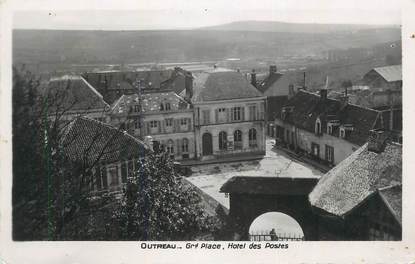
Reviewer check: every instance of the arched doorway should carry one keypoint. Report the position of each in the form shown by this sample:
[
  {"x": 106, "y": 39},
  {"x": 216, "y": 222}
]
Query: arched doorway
[
  {"x": 207, "y": 148},
  {"x": 275, "y": 226}
]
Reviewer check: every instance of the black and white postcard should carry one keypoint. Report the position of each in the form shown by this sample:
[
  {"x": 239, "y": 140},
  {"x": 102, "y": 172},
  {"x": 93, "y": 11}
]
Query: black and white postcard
[{"x": 207, "y": 131}]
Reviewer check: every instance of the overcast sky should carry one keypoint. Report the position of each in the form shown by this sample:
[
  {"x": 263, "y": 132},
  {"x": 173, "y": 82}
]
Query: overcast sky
[{"x": 178, "y": 14}]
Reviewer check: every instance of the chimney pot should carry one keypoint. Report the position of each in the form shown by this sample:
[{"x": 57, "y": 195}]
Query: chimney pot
[
  {"x": 253, "y": 78},
  {"x": 272, "y": 69},
  {"x": 377, "y": 140}
]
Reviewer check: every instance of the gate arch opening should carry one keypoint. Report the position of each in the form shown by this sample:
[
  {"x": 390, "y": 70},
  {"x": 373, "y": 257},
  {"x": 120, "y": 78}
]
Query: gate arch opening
[{"x": 275, "y": 226}]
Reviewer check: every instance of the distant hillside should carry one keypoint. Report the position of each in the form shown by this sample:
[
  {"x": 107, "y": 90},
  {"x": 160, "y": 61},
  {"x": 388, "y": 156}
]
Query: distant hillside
[
  {"x": 114, "y": 47},
  {"x": 274, "y": 26}
]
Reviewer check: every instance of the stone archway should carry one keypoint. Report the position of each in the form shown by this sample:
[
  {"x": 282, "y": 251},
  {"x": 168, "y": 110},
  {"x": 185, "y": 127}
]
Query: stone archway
[
  {"x": 207, "y": 146},
  {"x": 250, "y": 197}
]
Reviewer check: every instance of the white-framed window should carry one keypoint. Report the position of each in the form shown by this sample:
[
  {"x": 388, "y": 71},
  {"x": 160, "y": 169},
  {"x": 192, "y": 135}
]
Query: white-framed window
[
  {"x": 237, "y": 139},
  {"x": 206, "y": 116},
  {"x": 185, "y": 145},
  {"x": 222, "y": 140},
  {"x": 252, "y": 112},
  {"x": 329, "y": 154},
  {"x": 236, "y": 113},
  {"x": 252, "y": 137},
  {"x": 170, "y": 147},
  {"x": 113, "y": 175},
  {"x": 330, "y": 129},
  {"x": 183, "y": 122},
  {"x": 342, "y": 133},
  {"x": 153, "y": 124},
  {"x": 318, "y": 127},
  {"x": 169, "y": 122}
]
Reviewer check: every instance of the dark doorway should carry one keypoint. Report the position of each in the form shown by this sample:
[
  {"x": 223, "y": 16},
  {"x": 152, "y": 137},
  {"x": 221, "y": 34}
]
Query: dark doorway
[{"x": 207, "y": 144}]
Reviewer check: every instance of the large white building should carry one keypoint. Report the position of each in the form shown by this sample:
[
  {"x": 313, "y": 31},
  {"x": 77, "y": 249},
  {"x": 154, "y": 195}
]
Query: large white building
[{"x": 229, "y": 115}]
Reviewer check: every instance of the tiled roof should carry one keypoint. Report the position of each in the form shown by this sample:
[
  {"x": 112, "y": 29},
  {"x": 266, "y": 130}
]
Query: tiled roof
[
  {"x": 269, "y": 185},
  {"x": 73, "y": 93},
  {"x": 269, "y": 80},
  {"x": 222, "y": 85},
  {"x": 357, "y": 177},
  {"x": 87, "y": 140},
  {"x": 309, "y": 106},
  {"x": 390, "y": 73},
  {"x": 150, "y": 102},
  {"x": 112, "y": 84}
]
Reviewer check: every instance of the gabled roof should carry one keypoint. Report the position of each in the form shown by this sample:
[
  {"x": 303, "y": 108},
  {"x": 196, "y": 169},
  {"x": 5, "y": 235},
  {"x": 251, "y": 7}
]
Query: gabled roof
[
  {"x": 150, "y": 102},
  {"x": 222, "y": 85},
  {"x": 87, "y": 140},
  {"x": 359, "y": 176},
  {"x": 269, "y": 185},
  {"x": 307, "y": 107},
  {"x": 390, "y": 73},
  {"x": 73, "y": 93}
]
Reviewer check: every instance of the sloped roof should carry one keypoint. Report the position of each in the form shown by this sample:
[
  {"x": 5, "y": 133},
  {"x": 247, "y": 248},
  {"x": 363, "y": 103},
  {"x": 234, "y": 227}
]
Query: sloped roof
[
  {"x": 269, "y": 80},
  {"x": 222, "y": 85},
  {"x": 390, "y": 73},
  {"x": 150, "y": 102},
  {"x": 87, "y": 140},
  {"x": 357, "y": 177},
  {"x": 392, "y": 197},
  {"x": 269, "y": 185},
  {"x": 309, "y": 106},
  {"x": 73, "y": 93}
]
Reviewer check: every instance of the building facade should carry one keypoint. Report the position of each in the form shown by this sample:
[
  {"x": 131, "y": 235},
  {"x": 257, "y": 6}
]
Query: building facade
[
  {"x": 324, "y": 129},
  {"x": 229, "y": 115},
  {"x": 164, "y": 117},
  {"x": 106, "y": 152}
]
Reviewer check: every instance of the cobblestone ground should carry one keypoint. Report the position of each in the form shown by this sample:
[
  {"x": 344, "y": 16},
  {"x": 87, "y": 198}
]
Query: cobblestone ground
[{"x": 276, "y": 163}]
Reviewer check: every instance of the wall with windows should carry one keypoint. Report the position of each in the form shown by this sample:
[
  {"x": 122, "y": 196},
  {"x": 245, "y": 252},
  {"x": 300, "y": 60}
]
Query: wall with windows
[
  {"x": 329, "y": 148},
  {"x": 236, "y": 127},
  {"x": 179, "y": 145}
]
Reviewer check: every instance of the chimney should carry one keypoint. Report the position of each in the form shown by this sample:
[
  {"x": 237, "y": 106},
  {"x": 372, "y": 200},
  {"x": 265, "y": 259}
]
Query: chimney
[
  {"x": 253, "y": 78},
  {"x": 344, "y": 101},
  {"x": 272, "y": 69},
  {"x": 188, "y": 84},
  {"x": 214, "y": 66},
  {"x": 377, "y": 140},
  {"x": 323, "y": 94}
]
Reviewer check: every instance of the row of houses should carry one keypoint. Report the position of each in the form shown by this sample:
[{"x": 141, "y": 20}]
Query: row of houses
[{"x": 214, "y": 114}]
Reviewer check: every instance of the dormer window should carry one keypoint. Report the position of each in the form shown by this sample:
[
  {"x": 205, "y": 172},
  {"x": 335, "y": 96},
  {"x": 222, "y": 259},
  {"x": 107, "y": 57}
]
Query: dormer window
[
  {"x": 342, "y": 133},
  {"x": 317, "y": 128},
  {"x": 167, "y": 106},
  {"x": 136, "y": 108},
  {"x": 329, "y": 129},
  {"x": 161, "y": 107}
]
